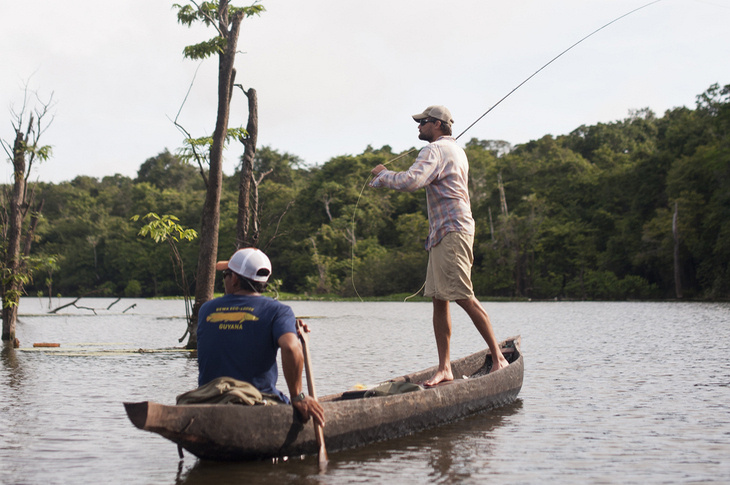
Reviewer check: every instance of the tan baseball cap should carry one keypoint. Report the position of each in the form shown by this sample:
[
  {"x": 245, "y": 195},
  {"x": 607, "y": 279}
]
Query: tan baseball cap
[{"x": 441, "y": 113}]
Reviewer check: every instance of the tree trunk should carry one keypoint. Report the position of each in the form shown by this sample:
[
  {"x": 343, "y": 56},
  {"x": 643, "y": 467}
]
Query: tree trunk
[
  {"x": 502, "y": 197},
  {"x": 243, "y": 237},
  {"x": 322, "y": 286},
  {"x": 10, "y": 315},
  {"x": 677, "y": 268},
  {"x": 208, "y": 252},
  {"x": 11, "y": 284},
  {"x": 518, "y": 269},
  {"x": 34, "y": 218},
  {"x": 254, "y": 234},
  {"x": 491, "y": 224}
]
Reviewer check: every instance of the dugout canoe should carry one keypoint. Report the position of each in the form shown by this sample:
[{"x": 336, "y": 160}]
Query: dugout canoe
[{"x": 231, "y": 432}]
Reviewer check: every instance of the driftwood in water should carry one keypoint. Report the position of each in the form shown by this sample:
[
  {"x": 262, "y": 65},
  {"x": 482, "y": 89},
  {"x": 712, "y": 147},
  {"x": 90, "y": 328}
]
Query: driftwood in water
[{"x": 74, "y": 304}]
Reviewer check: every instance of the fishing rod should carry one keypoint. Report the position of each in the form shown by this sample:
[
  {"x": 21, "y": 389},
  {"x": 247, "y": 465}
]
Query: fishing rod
[
  {"x": 551, "y": 61},
  {"x": 480, "y": 118}
]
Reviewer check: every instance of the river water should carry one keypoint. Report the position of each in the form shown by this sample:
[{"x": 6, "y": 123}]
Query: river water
[{"x": 613, "y": 393}]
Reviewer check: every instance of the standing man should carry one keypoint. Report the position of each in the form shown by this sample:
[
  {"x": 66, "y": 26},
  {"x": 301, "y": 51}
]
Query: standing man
[
  {"x": 240, "y": 333},
  {"x": 443, "y": 169}
]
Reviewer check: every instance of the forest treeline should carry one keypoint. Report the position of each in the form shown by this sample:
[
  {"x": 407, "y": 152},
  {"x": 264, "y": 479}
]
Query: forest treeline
[{"x": 632, "y": 209}]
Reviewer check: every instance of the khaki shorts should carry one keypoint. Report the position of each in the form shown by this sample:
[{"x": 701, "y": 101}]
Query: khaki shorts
[{"x": 448, "y": 276}]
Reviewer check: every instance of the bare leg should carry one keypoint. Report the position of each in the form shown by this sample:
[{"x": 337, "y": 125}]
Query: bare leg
[
  {"x": 442, "y": 331},
  {"x": 480, "y": 318}
]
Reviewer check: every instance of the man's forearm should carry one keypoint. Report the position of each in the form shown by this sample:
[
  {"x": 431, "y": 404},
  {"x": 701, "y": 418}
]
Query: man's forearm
[{"x": 292, "y": 363}]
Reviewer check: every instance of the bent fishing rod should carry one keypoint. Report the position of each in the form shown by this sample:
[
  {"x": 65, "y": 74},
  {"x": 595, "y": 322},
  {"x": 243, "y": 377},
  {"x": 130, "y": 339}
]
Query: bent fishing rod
[
  {"x": 551, "y": 61},
  {"x": 480, "y": 118}
]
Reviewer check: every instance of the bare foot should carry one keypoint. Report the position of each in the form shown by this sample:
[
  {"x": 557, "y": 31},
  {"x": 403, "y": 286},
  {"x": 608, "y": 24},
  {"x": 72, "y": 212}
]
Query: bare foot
[
  {"x": 501, "y": 363},
  {"x": 438, "y": 377}
]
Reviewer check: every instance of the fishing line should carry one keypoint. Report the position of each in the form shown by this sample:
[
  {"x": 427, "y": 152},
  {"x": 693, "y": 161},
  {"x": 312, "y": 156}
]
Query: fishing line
[
  {"x": 352, "y": 265},
  {"x": 354, "y": 212}
]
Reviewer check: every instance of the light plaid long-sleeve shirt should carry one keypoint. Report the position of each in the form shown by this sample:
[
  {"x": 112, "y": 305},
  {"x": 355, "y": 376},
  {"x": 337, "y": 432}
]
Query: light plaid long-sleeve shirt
[{"x": 443, "y": 169}]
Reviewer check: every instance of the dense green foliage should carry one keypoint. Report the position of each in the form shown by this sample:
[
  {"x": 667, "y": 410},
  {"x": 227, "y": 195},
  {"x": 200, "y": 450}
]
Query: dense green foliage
[{"x": 586, "y": 215}]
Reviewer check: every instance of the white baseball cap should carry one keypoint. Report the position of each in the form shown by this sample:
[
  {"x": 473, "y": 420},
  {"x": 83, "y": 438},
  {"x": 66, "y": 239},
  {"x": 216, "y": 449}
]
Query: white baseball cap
[{"x": 250, "y": 263}]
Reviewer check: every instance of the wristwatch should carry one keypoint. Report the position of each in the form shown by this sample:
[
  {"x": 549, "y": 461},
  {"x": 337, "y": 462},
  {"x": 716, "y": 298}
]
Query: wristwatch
[{"x": 297, "y": 398}]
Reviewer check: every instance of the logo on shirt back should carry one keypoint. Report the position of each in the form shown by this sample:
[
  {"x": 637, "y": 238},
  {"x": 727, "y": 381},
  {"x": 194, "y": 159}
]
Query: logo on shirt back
[{"x": 230, "y": 320}]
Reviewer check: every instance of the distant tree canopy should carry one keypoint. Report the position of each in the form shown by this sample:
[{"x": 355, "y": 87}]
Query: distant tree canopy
[
  {"x": 587, "y": 215},
  {"x": 166, "y": 171}
]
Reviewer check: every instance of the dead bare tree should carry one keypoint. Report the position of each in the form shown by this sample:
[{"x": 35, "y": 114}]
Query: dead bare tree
[
  {"x": 22, "y": 153},
  {"x": 244, "y": 184},
  {"x": 226, "y": 20}
]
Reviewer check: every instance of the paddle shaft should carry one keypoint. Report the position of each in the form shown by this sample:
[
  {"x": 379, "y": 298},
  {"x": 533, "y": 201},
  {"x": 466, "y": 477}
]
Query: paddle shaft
[{"x": 318, "y": 431}]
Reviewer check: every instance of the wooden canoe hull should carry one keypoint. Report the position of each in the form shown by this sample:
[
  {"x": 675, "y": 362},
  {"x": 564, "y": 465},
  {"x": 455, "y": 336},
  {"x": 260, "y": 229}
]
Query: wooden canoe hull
[{"x": 237, "y": 432}]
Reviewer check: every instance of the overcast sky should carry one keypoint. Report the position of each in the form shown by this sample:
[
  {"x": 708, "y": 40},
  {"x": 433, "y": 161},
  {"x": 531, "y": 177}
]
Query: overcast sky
[{"x": 336, "y": 76}]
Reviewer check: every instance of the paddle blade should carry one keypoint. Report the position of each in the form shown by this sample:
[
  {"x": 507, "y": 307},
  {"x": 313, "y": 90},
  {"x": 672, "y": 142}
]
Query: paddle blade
[{"x": 323, "y": 459}]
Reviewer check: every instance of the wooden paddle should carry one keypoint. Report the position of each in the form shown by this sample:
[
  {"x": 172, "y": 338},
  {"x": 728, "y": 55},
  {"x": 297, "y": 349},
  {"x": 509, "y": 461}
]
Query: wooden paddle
[{"x": 318, "y": 431}]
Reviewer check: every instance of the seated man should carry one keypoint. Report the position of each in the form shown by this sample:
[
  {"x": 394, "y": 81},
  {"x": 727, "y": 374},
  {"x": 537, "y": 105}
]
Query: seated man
[{"x": 239, "y": 334}]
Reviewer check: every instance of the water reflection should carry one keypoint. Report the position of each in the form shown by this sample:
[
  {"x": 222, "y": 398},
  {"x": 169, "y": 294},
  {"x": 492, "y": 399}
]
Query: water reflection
[
  {"x": 13, "y": 372},
  {"x": 453, "y": 453},
  {"x": 453, "y": 461}
]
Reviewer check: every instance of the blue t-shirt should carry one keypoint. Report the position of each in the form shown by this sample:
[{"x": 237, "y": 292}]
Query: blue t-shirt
[{"x": 238, "y": 336}]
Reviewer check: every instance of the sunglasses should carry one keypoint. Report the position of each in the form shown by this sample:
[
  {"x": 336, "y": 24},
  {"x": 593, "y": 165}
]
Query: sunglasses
[
  {"x": 424, "y": 121},
  {"x": 227, "y": 272}
]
